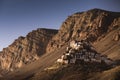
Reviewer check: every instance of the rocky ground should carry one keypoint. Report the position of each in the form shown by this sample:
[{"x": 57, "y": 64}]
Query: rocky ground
[{"x": 28, "y": 56}]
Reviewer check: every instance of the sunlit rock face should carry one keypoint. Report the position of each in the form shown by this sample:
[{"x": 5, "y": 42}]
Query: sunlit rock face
[
  {"x": 91, "y": 26},
  {"x": 25, "y": 50},
  {"x": 88, "y": 25}
]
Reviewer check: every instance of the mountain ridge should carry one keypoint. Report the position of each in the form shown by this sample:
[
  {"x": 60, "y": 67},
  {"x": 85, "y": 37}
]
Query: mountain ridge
[
  {"x": 25, "y": 49},
  {"x": 89, "y": 24},
  {"x": 101, "y": 28}
]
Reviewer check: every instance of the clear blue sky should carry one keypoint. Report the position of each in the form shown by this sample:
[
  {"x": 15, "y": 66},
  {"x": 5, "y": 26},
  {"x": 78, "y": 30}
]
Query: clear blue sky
[{"x": 18, "y": 17}]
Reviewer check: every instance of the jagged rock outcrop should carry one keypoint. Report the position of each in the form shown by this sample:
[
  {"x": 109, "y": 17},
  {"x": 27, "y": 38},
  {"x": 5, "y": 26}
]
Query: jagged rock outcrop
[
  {"x": 101, "y": 28},
  {"x": 89, "y": 25},
  {"x": 25, "y": 50},
  {"x": 116, "y": 36}
]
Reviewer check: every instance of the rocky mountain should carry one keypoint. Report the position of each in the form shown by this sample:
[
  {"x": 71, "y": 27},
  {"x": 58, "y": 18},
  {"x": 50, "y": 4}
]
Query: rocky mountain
[
  {"x": 25, "y": 50},
  {"x": 98, "y": 27},
  {"x": 86, "y": 25},
  {"x": 80, "y": 61}
]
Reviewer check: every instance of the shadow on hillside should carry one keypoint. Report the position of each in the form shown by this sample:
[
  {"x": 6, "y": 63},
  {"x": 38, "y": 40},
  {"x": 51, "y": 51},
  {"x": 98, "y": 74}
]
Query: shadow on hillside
[{"x": 82, "y": 71}]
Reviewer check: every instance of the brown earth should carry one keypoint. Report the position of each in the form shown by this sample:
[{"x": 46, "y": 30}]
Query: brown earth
[
  {"x": 25, "y": 50},
  {"x": 101, "y": 28}
]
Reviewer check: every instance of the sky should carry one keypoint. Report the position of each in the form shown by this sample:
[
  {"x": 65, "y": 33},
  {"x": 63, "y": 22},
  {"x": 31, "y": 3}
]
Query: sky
[{"x": 18, "y": 17}]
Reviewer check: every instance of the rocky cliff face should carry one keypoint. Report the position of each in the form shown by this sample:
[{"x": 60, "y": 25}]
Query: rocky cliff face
[
  {"x": 99, "y": 27},
  {"x": 25, "y": 50},
  {"x": 92, "y": 25},
  {"x": 88, "y": 25}
]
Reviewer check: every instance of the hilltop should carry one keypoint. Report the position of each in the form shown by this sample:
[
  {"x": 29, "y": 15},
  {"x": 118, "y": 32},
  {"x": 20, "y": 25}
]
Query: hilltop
[{"x": 28, "y": 56}]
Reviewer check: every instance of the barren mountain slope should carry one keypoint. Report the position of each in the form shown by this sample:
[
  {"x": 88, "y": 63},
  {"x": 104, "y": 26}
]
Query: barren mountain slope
[
  {"x": 25, "y": 50},
  {"x": 44, "y": 61},
  {"x": 101, "y": 28},
  {"x": 108, "y": 44},
  {"x": 78, "y": 72},
  {"x": 85, "y": 25}
]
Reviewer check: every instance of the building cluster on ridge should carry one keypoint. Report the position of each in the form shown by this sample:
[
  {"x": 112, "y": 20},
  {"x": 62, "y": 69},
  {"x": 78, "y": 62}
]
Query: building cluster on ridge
[{"x": 82, "y": 51}]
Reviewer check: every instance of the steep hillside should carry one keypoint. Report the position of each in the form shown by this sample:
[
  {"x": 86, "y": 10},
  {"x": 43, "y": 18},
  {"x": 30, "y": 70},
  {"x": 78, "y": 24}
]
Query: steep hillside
[
  {"x": 102, "y": 29},
  {"x": 109, "y": 44},
  {"x": 39, "y": 65},
  {"x": 111, "y": 74},
  {"x": 85, "y": 25},
  {"x": 98, "y": 27},
  {"x": 87, "y": 65},
  {"x": 79, "y": 72},
  {"x": 25, "y": 50}
]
